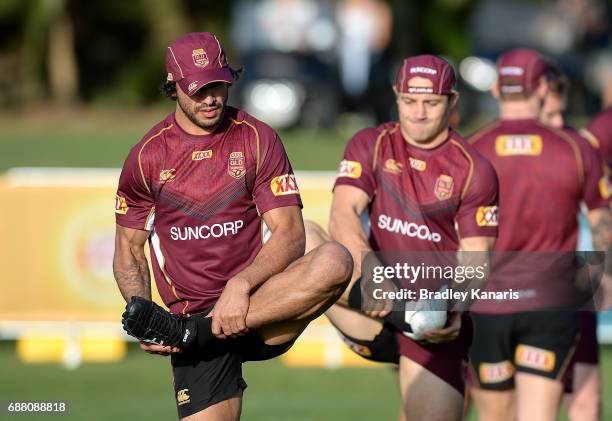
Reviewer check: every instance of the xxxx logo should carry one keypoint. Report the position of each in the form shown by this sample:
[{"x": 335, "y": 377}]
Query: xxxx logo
[
  {"x": 487, "y": 216},
  {"x": 200, "y": 155},
  {"x": 350, "y": 169},
  {"x": 284, "y": 184}
]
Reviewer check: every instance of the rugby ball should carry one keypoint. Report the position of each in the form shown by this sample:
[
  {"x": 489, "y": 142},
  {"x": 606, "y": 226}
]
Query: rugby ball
[{"x": 423, "y": 316}]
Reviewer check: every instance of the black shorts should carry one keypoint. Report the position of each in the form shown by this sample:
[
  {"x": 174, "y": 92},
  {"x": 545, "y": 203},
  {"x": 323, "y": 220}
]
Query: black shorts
[
  {"x": 383, "y": 348},
  {"x": 540, "y": 343},
  {"x": 204, "y": 378}
]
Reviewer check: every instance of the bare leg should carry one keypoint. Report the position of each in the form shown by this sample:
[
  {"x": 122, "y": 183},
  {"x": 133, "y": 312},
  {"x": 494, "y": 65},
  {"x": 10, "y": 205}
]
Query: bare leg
[
  {"x": 538, "y": 398},
  {"x": 423, "y": 394},
  {"x": 284, "y": 305},
  {"x": 346, "y": 320},
  {"x": 315, "y": 236},
  {"x": 494, "y": 405},
  {"x": 584, "y": 403},
  {"x": 227, "y": 410}
]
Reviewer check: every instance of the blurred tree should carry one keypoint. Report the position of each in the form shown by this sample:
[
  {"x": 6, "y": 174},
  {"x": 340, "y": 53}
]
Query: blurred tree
[
  {"x": 62, "y": 68},
  {"x": 33, "y": 47},
  {"x": 12, "y": 13},
  {"x": 48, "y": 39}
]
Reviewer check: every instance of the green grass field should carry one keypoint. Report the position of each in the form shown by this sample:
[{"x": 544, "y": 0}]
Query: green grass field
[
  {"x": 140, "y": 388},
  {"x": 87, "y": 139}
]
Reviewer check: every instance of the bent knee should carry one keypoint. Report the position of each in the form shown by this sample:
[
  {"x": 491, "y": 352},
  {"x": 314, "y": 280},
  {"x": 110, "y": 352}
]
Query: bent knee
[{"x": 333, "y": 263}]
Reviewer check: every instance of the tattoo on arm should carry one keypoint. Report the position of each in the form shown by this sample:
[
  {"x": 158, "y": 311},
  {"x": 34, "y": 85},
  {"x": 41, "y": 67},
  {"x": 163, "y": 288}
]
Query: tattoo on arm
[
  {"x": 601, "y": 238},
  {"x": 133, "y": 278}
]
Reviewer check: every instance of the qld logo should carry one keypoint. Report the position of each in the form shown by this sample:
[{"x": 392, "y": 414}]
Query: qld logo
[
  {"x": 236, "y": 165},
  {"x": 444, "y": 187},
  {"x": 200, "y": 58}
]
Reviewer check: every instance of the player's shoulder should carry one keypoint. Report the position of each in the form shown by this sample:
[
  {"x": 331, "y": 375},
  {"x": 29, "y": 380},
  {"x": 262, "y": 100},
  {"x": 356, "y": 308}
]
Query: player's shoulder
[
  {"x": 488, "y": 131},
  {"x": 242, "y": 119},
  {"x": 574, "y": 134},
  {"x": 470, "y": 154},
  {"x": 603, "y": 119},
  {"x": 155, "y": 137},
  {"x": 369, "y": 136},
  {"x": 566, "y": 134}
]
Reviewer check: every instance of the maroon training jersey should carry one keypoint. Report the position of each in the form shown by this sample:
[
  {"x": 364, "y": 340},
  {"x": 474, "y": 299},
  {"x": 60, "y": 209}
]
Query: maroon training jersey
[
  {"x": 420, "y": 199},
  {"x": 544, "y": 174},
  {"x": 599, "y": 133},
  {"x": 201, "y": 198}
]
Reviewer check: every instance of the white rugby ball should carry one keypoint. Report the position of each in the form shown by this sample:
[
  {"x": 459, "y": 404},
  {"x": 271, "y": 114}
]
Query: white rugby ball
[
  {"x": 422, "y": 321},
  {"x": 425, "y": 315}
]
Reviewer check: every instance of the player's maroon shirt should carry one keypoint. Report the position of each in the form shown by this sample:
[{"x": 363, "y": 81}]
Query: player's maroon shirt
[
  {"x": 544, "y": 174},
  {"x": 417, "y": 195},
  {"x": 599, "y": 133},
  {"x": 201, "y": 198}
]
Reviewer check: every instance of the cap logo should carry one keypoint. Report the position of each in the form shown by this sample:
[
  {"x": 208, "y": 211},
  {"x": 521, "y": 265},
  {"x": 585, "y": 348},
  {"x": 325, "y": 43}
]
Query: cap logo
[
  {"x": 419, "y": 90},
  {"x": 511, "y": 71},
  {"x": 512, "y": 89},
  {"x": 192, "y": 86},
  {"x": 200, "y": 58},
  {"x": 421, "y": 69}
]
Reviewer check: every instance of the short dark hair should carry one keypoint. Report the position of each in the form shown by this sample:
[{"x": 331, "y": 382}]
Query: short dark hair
[
  {"x": 168, "y": 89},
  {"x": 558, "y": 82}
]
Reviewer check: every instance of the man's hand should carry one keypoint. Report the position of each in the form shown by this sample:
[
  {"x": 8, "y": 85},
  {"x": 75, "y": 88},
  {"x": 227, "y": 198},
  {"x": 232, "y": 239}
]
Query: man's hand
[
  {"x": 377, "y": 307},
  {"x": 159, "y": 349},
  {"x": 230, "y": 311},
  {"x": 448, "y": 333}
]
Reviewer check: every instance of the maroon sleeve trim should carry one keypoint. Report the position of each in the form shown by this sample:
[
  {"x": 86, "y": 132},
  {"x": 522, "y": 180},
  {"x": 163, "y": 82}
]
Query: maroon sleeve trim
[
  {"x": 471, "y": 172},
  {"x": 577, "y": 154}
]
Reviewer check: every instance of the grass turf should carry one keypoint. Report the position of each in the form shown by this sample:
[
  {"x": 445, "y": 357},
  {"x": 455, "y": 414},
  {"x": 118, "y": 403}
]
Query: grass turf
[
  {"x": 103, "y": 140},
  {"x": 140, "y": 387}
]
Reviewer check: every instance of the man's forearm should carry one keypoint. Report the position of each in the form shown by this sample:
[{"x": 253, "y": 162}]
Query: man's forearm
[
  {"x": 132, "y": 276},
  {"x": 602, "y": 231},
  {"x": 474, "y": 252},
  {"x": 348, "y": 231},
  {"x": 282, "y": 249}
]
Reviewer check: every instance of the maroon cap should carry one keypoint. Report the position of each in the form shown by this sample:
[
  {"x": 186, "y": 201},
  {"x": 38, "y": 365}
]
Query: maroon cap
[
  {"x": 436, "y": 69},
  {"x": 196, "y": 59},
  {"x": 519, "y": 71}
]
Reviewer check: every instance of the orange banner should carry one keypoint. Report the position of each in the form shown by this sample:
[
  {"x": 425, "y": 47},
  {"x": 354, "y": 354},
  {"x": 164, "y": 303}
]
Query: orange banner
[{"x": 57, "y": 242}]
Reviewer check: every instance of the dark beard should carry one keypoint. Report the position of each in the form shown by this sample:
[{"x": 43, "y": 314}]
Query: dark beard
[{"x": 206, "y": 125}]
